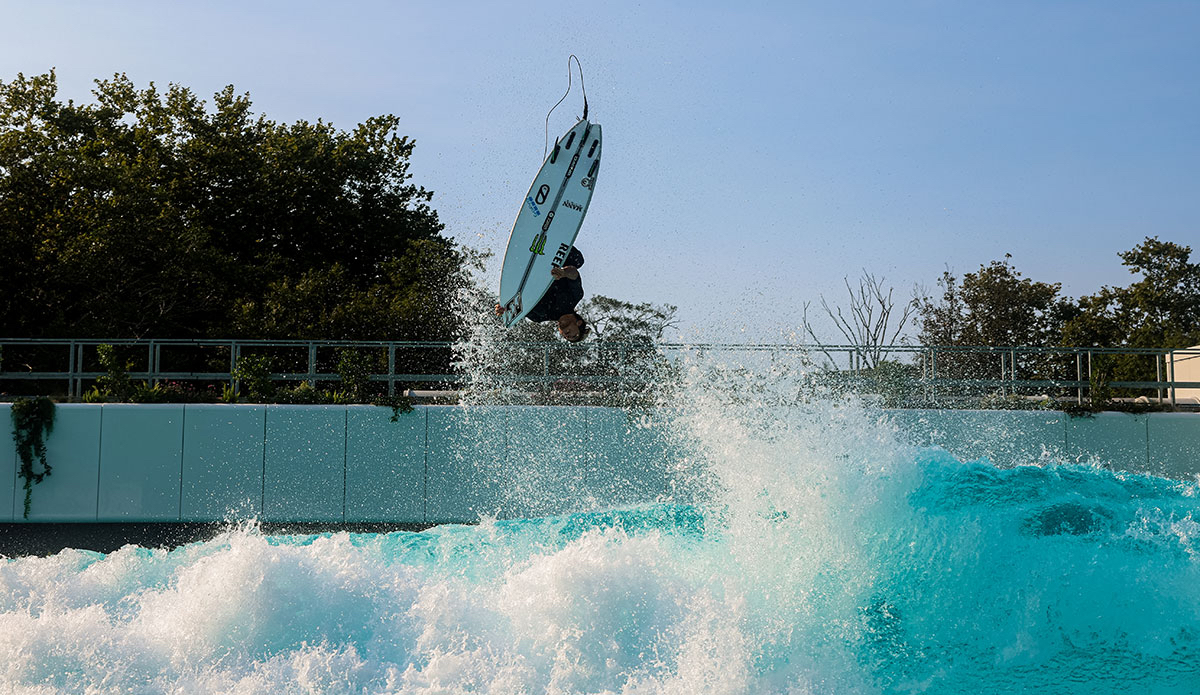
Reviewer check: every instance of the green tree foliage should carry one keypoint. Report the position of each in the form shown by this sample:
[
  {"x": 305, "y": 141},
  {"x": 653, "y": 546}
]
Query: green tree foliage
[
  {"x": 354, "y": 369},
  {"x": 253, "y": 375},
  {"x": 942, "y": 319},
  {"x": 995, "y": 306},
  {"x": 114, "y": 384},
  {"x": 616, "y": 321},
  {"x": 624, "y": 351},
  {"x": 1161, "y": 309},
  {"x": 621, "y": 359},
  {"x": 153, "y": 213}
]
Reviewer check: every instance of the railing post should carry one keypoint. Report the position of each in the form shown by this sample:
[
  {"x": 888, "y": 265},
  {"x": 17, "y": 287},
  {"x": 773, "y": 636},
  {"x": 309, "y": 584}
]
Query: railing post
[
  {"x": 312, "y": 365},
  {"x": 235, "y": 354},
  {"x": 153, "y": 366},
  {"x": 923, "y": 360},
  {"x": 1158, "y": 376},
  {"x": 932, "y": 375},
  {"x": 1091, "y": 396},
  {"x": 1079, "y": 377},
  {"x": 71, "y": 373},
  {"x": 1171, "y": 375},
  {"x": 391, "y": 369}
]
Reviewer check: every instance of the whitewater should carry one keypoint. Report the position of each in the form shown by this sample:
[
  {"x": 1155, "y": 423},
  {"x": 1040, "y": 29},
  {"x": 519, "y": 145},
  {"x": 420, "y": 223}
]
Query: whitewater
[{"x": 822, "y": 554}]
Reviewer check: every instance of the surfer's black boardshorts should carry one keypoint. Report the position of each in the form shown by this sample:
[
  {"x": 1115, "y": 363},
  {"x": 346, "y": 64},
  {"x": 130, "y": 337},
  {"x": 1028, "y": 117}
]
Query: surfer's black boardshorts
[{"x": 562, "y": 297}]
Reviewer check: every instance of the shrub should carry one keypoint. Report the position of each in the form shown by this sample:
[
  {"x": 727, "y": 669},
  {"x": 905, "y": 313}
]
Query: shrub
[
  {"x": 253, "y": 374},
  {"x": 114, "y": 384},
  {"x": 354, "y": 368}
]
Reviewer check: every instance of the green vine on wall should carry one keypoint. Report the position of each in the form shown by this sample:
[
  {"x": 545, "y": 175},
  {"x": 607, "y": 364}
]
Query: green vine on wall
[{"x": 33, "y": 419}]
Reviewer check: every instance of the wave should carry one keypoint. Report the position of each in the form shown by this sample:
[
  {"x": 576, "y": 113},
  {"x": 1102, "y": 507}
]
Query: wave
[{"x": 824, "y": 556}]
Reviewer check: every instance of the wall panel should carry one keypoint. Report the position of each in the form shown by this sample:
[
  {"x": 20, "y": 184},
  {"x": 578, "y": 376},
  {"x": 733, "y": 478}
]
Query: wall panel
[
  {"x": 1114, "y": 440},
  {"x": 1174, "y": 445},
  {"x": 1007, "y": 438},
  {"x": 385, "y": 465},
  {"x": 304, "y": 467},
  {"x": 73, "y": 450},
  {"x": 631, "y": 452},
  {"x": 546, "y": 462},
  {"x": 466, "y": 463},
  {"x": 223, "y": 462},
  {"x": 141, "y": 454},
  {"x": 8, "y": 467}
]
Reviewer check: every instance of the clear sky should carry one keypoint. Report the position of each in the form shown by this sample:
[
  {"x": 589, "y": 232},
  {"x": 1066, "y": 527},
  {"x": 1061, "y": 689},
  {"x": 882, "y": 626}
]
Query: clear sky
[{"x": 755, "y": 152}]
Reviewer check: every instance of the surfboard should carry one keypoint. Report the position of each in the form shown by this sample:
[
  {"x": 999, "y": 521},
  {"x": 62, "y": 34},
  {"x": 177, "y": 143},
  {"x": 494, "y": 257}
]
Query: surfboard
[{"x": 549, "y": 220}]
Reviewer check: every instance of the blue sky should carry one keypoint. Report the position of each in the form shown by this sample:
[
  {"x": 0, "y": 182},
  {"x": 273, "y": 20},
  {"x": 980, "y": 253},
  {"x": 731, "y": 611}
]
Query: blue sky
[{"x": 755, "y": 152}]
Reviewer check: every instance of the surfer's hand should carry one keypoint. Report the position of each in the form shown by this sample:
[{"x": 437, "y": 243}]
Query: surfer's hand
[
  {"x": 567, "y": 271},
  {"x": 499, "y": 310}
]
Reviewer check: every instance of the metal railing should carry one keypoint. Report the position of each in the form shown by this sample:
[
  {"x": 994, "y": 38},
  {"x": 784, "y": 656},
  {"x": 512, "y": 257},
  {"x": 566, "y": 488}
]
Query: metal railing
[
  {"x": 931, "y": 371},
  {"x": 76, "y": 368}
]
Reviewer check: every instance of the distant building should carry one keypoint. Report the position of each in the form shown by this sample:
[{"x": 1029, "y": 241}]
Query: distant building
[{"x": 1186, "y": 367}]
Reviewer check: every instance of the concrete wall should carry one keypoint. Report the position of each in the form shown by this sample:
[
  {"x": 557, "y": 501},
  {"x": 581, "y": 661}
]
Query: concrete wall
[
  {"x": 281, "y": 463},
  {"x": 437, "y": 464},
  {"x": 1162, "y": 444}
]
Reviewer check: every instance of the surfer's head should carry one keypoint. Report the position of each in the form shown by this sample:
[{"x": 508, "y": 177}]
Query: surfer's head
[{"x": 572, "y": 327}]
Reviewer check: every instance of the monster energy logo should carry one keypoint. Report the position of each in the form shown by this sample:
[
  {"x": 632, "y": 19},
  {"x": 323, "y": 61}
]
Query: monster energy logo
[{"x": 539, "y": 245}]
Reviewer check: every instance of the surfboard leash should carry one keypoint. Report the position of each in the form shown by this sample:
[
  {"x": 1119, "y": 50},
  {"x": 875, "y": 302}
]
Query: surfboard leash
[{"x": 546, "y": 149}]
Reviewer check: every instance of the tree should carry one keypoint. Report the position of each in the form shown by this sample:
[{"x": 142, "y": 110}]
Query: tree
[
  {"x": 866, "y": 322},
  {"x": 616, "y": 321},
  {"x": 153, "y": 213},
  {"x": 942, "y": 321},
  {"x": 412, "y": 300},
  {"x": 1162, "y": 309},
  {"x": 995, "y": 307},
  {"x": 622, "y": 359}
]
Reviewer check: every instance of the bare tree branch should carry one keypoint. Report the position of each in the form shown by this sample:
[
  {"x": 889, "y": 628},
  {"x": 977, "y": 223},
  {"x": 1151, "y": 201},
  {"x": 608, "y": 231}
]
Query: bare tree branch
[{"x": 870, "y": 322}]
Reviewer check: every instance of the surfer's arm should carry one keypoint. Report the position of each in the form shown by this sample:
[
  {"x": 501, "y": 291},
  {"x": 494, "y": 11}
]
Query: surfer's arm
[{"x": 567, "y": 271}]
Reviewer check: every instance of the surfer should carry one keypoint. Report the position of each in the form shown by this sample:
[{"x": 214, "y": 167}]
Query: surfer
[{"x": 558, "y": 304}]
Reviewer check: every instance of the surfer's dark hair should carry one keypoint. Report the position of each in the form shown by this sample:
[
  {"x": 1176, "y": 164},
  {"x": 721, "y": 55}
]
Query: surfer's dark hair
[{"x": 584, "y": 329}]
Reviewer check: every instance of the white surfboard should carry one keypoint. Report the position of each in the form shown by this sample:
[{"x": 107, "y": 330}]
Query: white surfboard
[{"x": 549, "y": 221}]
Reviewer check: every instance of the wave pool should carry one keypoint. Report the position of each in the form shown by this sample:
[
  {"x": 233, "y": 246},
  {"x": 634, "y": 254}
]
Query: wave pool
[{"x": 826, "y": 556}]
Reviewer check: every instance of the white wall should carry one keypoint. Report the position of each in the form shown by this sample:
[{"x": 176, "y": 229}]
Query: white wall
[{"x": 439, "y": 464}]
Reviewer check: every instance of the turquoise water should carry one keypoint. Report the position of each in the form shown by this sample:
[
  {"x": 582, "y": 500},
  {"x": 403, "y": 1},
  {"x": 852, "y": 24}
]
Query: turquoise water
[{"x": 827, "y": 557}]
